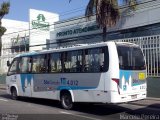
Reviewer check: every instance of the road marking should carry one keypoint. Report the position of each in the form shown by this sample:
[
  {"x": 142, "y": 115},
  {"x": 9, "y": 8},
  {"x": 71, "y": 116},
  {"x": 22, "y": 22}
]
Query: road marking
[
  {"x": 79, "y": 115},
  {"x": 4, "y": 100}
]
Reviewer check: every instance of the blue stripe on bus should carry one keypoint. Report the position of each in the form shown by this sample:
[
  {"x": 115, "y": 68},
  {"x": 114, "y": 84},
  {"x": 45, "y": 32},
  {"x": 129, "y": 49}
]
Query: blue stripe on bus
[
  {"x": 136, "y": 84},
  {"x": 74, "y": 88}
]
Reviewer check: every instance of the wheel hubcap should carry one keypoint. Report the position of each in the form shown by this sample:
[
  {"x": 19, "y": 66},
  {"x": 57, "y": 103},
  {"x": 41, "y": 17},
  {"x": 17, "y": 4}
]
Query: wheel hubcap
[{"x": 67, "y": 101}]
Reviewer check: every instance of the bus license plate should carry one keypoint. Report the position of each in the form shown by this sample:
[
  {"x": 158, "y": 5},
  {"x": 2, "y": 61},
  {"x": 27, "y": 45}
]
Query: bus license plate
[
  {"x": 133, "y": 96},
  {"x": 141, "y": 76}
]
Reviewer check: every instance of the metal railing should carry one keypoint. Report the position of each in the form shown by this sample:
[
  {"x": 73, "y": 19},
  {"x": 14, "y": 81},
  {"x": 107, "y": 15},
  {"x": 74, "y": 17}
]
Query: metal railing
[
  {"x": 151, "y": 49},
  {"x": 149, "y": 44}
]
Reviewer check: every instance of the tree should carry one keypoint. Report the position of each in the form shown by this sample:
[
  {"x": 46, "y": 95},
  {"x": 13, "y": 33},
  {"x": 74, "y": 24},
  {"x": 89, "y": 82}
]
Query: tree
[
  {"x": 107, "y": 12},
  {"x": 4, "y": 9}
]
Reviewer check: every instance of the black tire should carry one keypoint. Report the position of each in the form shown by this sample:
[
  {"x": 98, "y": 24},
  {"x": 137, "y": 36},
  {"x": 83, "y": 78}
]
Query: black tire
[
  {"x": 66, "y": 101},
  {"x": 14, "y": 94}
]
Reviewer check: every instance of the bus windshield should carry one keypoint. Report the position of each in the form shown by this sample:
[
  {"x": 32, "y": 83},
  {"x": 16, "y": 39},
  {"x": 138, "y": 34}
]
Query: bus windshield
[{"x": 130, "y": 57}]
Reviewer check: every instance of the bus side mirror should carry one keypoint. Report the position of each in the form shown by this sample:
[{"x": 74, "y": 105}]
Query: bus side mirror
[{"x": 8, "y": 63}]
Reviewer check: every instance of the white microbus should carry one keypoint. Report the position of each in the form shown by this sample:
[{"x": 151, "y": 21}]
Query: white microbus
[{"x": 107, "y": 72}]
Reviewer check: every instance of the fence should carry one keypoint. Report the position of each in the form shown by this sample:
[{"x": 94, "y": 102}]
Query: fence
[
  {"x": 149, "y": 44},
  {"x": 151, "y": 49}
]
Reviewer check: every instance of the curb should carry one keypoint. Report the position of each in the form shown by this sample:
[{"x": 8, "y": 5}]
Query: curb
[
  {"x": 144, "y": 105},
  {"x": 153, "y": 98},
  {"x": 148, "y": 102}
]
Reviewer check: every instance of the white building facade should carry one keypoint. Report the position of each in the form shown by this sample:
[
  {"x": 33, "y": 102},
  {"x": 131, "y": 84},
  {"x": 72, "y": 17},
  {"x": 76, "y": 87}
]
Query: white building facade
[
  {"x": 26, "y": 36},
  {"x": 41, "y": 23}
]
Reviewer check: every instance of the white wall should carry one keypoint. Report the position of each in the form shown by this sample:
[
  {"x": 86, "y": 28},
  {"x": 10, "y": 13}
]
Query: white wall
[
  {"x": 19, "y": 28},
  {"x": 13, "y": 30}
]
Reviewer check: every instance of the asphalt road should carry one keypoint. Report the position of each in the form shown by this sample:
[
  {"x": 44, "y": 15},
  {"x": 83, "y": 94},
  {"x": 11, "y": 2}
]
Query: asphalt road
[{"x": 42, "y": 109}]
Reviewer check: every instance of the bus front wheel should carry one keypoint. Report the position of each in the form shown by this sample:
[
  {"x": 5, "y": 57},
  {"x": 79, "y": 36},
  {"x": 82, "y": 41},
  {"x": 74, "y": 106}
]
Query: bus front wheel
[
  {"x": 14, "y": 93},
  {"x": 66, "y": 101}
]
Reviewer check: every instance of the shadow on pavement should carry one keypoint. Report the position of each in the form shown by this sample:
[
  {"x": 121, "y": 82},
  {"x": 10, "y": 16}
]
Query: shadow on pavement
[
  {"x": 96, "y": 109},
  {"x": 146, "y": 113},
  {"x": 154, "y": 106},
  {"x": 100, "y": 109},
  {"x": 5, "y": 96}
]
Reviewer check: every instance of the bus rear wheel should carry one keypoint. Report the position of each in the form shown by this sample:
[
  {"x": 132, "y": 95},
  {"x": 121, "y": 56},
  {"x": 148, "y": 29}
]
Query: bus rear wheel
[
  {"x": 66, "y": 101},
  {"x": 14, "y": 93}
]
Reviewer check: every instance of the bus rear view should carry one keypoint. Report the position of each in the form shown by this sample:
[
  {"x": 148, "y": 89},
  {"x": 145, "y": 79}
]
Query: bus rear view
[{"x": 131, "y": 82}]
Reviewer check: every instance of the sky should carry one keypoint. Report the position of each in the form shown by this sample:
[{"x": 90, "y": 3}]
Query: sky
[{"x": 19, "y": 9}]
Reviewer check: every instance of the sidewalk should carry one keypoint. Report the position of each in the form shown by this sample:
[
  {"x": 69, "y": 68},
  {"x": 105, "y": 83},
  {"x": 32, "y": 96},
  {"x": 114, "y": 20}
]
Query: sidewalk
[
  {"x": 148, "y": 102},
  {"x": 2, "y": 87}
]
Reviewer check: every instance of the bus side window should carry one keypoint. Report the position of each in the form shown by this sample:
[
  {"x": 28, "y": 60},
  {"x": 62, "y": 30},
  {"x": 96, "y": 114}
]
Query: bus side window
[
  {"x": 76, "y": 61},
  {"x": 55, "y": 62},
  {"x": 24, "y": 64},
  {"x": 39, "y": 64},
  {"x": 30, "y": 65},
  {"x": 86, "y": 61},
  {"x": 34, "y": 65},
  {"x": 102, "y": 59},
  {"x": 67, "y": 61},
  {"x": 94, "y": 60}
]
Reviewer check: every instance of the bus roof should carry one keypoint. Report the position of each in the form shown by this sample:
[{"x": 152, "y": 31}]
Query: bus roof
[{"x": 72, "y": 47}]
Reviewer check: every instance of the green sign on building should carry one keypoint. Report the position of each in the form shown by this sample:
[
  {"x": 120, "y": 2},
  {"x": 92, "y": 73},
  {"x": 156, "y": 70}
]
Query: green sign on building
[
  {"x": 40, "y": 23},
  {"x": 78, "y": 31}
]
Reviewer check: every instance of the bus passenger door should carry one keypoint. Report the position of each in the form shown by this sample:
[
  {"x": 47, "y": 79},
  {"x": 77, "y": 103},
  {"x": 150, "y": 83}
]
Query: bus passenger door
[
  {"x": 25, "y": 76},
  {"x": 26, "y": 84}
]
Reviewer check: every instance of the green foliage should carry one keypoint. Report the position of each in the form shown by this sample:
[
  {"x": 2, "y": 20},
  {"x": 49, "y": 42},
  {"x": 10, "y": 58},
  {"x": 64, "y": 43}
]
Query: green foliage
[
  {"x": 4, "y": 9},
  {"x": 106, "y": 11},
  {"x": 2, "y": 30}
]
